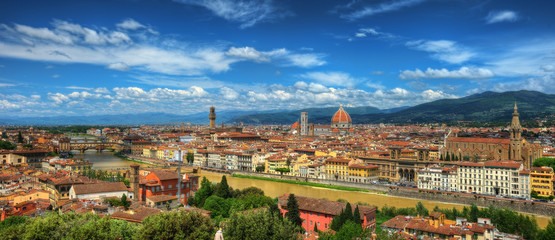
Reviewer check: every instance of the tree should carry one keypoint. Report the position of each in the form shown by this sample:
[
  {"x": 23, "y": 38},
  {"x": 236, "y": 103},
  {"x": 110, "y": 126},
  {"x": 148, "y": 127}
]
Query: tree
[
  {"x": 315, "y": 227},
  {"x": 421, "y": 210},
  {"x": 544, "y": 161},
  {"x": 348, "y": 213},
  {"x": 7, "y": 145},
  {"x": 190, "y": 157},
  {"x": 282, "y": 170},
  {"x": 356, "y": 216},
  {"x": 249, "y": 191},
  {"x": 351, "y": 230},
  {"x": 203, "y": 193},
  {"x": 224, "y": 190},
  {"x": 19, "y": 137},
  {"x": 259, "y": 224},
  {"x": 260, "y": 169},
  {"x": 293, "y": 213},
  {"x": 124, "y": 202},
  {"x": 177, "y": 225}
]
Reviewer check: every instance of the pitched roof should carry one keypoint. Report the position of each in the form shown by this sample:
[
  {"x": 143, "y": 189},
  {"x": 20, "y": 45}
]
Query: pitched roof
[
  {"x": 99, "y": 188},
  {"x": 480, "y": 140},
  {"x": 165, "y": 175},
  {"x": 322, "y": 206}
]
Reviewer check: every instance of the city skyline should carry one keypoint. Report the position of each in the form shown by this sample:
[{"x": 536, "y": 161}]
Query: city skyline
[{"x": 66, "y": 58}]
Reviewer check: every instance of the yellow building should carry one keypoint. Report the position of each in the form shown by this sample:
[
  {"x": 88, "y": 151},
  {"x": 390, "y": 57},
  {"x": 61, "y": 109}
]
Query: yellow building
[
  {"x": 32, "y": 195},
  {"x": 541, "y": 179},
  {"x": 274, "y": 162},
  {"x": 337, "y": 169},
  {"x": 361, "y": 173}
]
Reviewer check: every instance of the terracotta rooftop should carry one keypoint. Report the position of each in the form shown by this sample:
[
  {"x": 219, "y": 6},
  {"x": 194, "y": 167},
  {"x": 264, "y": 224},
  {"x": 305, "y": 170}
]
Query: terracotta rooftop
[
  {"x": 322, "y": 206},
  {"x": 479, "y": 140},
  {"x": 99, "y": 188},
  {"x": 161, "y": 198}
]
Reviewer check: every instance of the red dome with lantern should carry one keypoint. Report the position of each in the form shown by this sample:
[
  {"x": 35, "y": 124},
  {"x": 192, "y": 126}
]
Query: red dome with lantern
[{"x": 340, "y": 117}]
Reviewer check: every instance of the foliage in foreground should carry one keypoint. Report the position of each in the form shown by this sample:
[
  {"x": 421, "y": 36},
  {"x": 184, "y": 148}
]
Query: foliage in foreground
[
  {"x": 177, "y": 225},
  {"x": 259, "y": 224},
  {"x": 506, "y": 220}
]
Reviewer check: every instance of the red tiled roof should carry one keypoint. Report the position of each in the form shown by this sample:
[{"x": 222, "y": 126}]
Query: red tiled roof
[{"x": 480, "y": 140}]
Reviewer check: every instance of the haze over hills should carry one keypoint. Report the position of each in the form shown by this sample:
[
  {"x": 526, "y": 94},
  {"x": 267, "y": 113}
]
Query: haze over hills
[{"x": 484, "y": 107}]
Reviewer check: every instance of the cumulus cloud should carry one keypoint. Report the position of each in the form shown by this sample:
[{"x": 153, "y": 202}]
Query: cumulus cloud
[
  {"x": 247, "y": 53},
  {"x": 130, "y": 24},
  {"x": 72, "y": 43},
  {"x": 444, "y": 50},
  {"x": 332, "y": 78},
  {"x": 387, "y": 6},
  {"x": 246, "y": 12},
  {"x": 228, "y": 93},
  {"x": 462, "y": 73},
  {"x": 501, "y": 16},
  {"x": 58, "y": 98},
  {"x": 364, "y": 32},
  {"x": 119, "y": 66},
  {"x": 545, "y": 84}
]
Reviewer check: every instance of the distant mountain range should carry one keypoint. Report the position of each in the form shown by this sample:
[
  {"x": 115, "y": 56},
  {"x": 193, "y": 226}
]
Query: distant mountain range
[
  {"x": 485, "y": 107},
  {"x": 482, "y": 107}
]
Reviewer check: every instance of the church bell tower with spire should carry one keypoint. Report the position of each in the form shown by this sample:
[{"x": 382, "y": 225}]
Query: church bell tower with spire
[{"x": 515, "y": 152}]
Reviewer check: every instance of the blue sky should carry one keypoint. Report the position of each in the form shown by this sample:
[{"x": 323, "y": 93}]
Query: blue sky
[{"x": 181, "y": 56}]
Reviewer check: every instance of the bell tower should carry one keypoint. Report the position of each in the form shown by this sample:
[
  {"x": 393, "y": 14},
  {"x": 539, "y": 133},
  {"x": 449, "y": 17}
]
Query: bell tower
[
  {"x": 515, "y": 151},
  {"x": 212, "y": 117}
]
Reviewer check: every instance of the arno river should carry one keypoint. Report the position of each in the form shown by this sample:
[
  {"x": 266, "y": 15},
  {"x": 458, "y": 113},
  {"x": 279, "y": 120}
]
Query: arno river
[
  {"x": 106, "y": 160},
  {"x": 276, "y": 189}
]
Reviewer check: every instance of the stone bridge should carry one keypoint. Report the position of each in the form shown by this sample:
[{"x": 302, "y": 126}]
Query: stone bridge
[{"x": 85, "y": 144}]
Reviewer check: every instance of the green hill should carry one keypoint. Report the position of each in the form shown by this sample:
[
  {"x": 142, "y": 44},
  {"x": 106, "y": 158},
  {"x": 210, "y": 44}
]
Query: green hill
[{"x": 482, "y": 107}]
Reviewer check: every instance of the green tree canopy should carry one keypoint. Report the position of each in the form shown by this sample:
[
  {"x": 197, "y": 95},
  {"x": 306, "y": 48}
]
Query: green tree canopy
[
  {"x": 259, "y": 224},
  {"x": 544, "y": 161},
  {"x": 205, "y": 191},
  {"x": 177, "y": 225},
  {"x": 223, "y": 190},
  {"x": 293, "y": 213}
]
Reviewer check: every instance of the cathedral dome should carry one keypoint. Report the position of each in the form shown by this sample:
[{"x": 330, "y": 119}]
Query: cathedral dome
[
  {"x": 295, "y": 125},
  {"x": 341, "y": 116}
]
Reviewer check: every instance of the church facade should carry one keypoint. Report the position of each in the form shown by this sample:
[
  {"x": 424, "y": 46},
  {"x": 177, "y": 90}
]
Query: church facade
[{"x": 515, "y": 148}]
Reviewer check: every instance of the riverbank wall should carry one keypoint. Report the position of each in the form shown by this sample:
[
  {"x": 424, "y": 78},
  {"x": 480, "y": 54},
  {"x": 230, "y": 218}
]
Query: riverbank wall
[
  {"x": 370, "y": 187},
  {"x": 531, "y": 207},
  {"x": 538, "y": 208}
]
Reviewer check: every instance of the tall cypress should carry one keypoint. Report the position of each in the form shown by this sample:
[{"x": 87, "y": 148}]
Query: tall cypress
[
  {"x": 348, "y": 213},
  {"x": 356, "y": 216},
  {"x": 293, "y": 213},
  {"x": 223, "y": 189}
]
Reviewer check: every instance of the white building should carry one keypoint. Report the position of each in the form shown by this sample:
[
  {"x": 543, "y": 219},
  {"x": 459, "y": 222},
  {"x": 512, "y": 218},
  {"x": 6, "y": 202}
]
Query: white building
[
  {"x": 95, "y": 191},
  {"x": 430, "y": 178},
  {"x": 504, "y": 178}
]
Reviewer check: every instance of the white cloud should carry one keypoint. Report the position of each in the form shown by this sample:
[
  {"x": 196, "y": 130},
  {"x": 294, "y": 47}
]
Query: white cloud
[
  {"x": 305, "y": 60},
  {"x": 531, "y": 57},
  {"x": 5, "y": 104},
  {"x": 229, "y": 93},
  {"x": 43, "y": 33},
  {"x": 246, "y": 12},
  {"x": 157, "y": 94},
  {"x": 247, "y": 53},
  {"x": 462, "y": 73},
  {"x": 6, "y": 85},
  {"x": 545, "y": 84},
  {"x": 58, "y": 97},
  {"x": 502, "y": 16},
  {"x": 119, "y": 66},
  {"x": 444, "y": 50},
  {"x": 130, "y": 24},
  {"x": 383, "y": 7},
  {"x": 332, "y": 78},
  {"x": 55, "y": 76}
]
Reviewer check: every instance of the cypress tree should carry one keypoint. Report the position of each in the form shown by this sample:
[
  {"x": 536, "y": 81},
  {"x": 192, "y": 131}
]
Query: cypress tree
[
  {"x": 223, "y": 189},
  {"x": 348, "y": 213},
  {"x": 293, "y": 213},
  {"x": 315, "y": 227},
  {"x": 19, "y": 137},
  {"x": 337, "y": 221},
  {"x": 356, "y": 216}
]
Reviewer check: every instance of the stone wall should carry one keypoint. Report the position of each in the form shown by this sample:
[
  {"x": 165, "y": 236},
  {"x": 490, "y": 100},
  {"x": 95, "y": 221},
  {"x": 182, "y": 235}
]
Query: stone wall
[{"x": 539, "y": 208}]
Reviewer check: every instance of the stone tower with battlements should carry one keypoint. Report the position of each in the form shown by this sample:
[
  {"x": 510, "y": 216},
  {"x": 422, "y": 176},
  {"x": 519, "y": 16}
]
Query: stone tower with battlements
[
  {"x": 134, "y": 181},
  {"x": 212, "y": 117}
]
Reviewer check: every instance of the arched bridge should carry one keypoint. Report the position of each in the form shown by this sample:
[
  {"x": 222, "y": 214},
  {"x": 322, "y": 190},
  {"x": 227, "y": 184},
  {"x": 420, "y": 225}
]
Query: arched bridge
[{"x": 85, "y": 144}]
